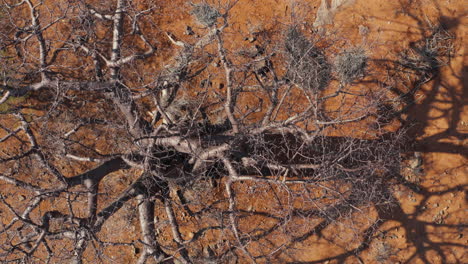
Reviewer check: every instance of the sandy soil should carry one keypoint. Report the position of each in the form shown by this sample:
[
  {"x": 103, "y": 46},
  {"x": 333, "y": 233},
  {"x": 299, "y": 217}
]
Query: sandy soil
[{"x": 428, "y": 224}]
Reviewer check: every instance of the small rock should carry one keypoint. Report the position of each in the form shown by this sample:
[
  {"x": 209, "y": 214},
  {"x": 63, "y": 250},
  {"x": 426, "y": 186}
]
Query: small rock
[
  {"x": 416, "y": 162},
  {"x": 190, "y": 235},
  {"x": 250, "y": 39},
  {"x": 436, "y": 205}
]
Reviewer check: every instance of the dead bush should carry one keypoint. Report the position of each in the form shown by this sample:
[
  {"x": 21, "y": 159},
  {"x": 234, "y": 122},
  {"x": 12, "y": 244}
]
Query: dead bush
[
  {"x": 430, "y": 53},
  {"x": 205, "y": 14},
  {"x": 308, "y": 65},
  {"x": 351, "y": 65}
]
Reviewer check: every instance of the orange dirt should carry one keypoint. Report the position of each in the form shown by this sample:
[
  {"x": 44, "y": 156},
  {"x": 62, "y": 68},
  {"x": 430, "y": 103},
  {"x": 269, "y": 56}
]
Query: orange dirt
[{"x": 428, "y": 223}]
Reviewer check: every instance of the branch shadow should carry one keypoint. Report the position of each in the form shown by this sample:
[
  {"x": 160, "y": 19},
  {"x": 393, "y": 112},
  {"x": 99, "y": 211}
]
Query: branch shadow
[{"x": 448, "y": 99}]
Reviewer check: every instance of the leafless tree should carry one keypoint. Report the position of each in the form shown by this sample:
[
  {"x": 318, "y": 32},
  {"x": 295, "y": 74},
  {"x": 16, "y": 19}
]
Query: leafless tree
[{"x": 224, "y": 137}]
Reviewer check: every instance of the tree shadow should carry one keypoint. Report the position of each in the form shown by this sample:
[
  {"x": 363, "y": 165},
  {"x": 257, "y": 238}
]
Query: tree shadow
[
  {"x": 435, "y": 124},
  {"x": 417, "y": 118}
]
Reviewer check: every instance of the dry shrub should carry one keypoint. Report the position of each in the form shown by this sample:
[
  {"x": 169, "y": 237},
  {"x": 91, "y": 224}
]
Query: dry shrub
[
  {"x": 205, "y": 14},
  {"x": 384, "y": 252},
  {"x": 430, "y": 53},
  {"x": 351, "y": 65},
  {"x": 308, "y": 65}
]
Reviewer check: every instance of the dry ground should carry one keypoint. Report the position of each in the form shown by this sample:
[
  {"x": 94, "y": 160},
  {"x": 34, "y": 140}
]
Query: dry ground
[{"x": 428, "y": 224}]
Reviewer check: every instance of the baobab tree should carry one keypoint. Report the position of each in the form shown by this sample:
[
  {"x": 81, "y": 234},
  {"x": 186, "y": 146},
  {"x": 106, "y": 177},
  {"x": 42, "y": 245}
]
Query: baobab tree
[{"x": 221, "y": 154}]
